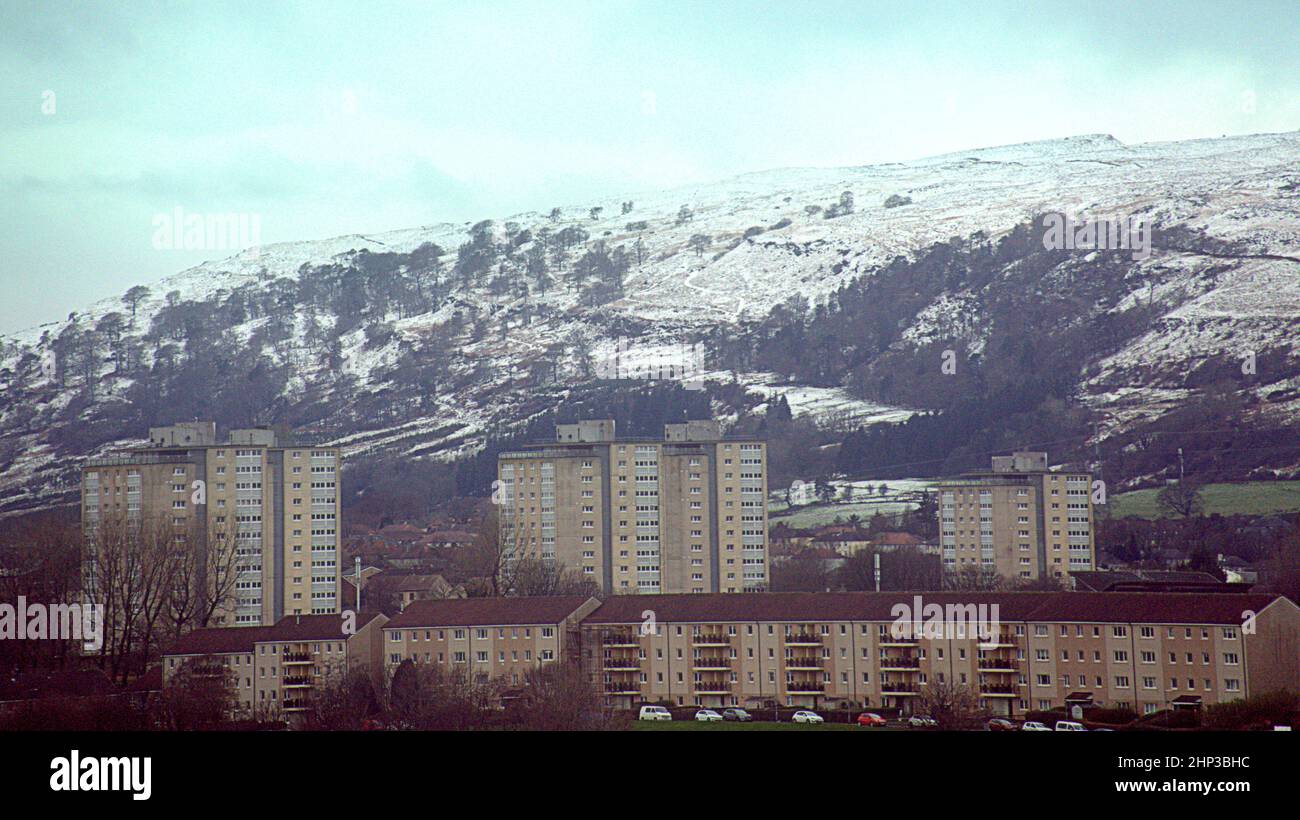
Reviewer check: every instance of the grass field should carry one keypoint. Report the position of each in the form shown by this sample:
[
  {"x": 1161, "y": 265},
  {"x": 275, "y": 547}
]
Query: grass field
[
  {"x": 1247, "y": 498},
  {"x": 755, "y": 726}
]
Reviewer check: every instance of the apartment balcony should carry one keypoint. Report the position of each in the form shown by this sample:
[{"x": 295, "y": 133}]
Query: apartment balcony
[
  {"x": 295, "y": 681},
  {"x": 899, "y": 640},
  {"x": 904, "y": 664},
  {"x": 208, "y": 671},
  {"x": 998, "y": 690},
  {"x": 805, "y": 687},
  {"x": 620, "y": 639},
  {"x": 999, "y": 665},
  {"x": 704, "y": 664},
  {"x": 296, "y": 657},
  {"x": 294, "y": 705},
  {"x": 620, "y": 663},
  {"x": 898, "y": 688},
  {"x": 804, "y": 664},
  {"x": 1003, "y": 639},
  {"x": 803, "y": 639},
  {"x": 711, "y": 639},
  {"x": 617, "y": 688}
]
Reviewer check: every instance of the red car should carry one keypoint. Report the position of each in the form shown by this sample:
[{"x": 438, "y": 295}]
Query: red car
[
  {"x": 1000, "y": 725},
  {"x": 870, "y": 719}
]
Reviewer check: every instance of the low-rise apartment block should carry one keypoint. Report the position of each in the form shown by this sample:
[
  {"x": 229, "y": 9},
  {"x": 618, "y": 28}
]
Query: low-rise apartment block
[
  {"x": 1019, "y": 519},
  {"x": 686, "y": 513},
  {"x": 1037, "y": 650},
  {"x": 273, "y": 670},
  {"x": 487, "y": 638}
]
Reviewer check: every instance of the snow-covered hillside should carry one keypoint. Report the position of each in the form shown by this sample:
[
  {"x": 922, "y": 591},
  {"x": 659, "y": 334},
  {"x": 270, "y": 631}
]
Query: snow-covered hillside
[{"x": 723, "y": 254}]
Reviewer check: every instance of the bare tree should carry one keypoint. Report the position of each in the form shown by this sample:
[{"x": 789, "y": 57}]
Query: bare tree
[
  {"x": 561, "y": 697},
  {"x": 1182, "y": 499},
  {"x": 952, "y": 706}
]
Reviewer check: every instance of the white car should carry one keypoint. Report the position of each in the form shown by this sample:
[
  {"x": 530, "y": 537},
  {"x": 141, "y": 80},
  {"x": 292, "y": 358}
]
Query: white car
[
  {"x": 655, "y": 713},
  {"x": 922, "y": 722},
  {"x": 1034, "y": 726},
  {"x": 1069, "y": 726},
  {"x": 708, "y": 715},
  {"x": 805, "y": 716}
]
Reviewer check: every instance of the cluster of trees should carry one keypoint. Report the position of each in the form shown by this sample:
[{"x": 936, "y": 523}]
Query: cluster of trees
[
  {"x": 1041, "y": 317},
  {"x": 151, "y": 581}
]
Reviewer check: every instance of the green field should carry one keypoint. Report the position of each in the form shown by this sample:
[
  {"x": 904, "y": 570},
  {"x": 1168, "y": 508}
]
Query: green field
[
  {"x": 816, "y": 515},
  {"x": 754, "y": 726},
  {"x": 1246, "y": 498}
]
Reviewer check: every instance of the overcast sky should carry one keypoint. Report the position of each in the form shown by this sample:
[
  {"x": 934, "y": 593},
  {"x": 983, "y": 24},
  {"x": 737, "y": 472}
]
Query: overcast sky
[{"x": 327, "y": 118}]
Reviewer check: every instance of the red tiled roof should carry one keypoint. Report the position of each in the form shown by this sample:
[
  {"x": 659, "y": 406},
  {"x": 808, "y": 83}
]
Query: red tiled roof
[
  {"x": 231, "y": 639},
  {"x": 1083, "y": 607},
  {"x": 487, "y": 611}
]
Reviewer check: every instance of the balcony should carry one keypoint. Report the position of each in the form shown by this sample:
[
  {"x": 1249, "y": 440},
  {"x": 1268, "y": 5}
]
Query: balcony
[
  {"x": 999, "y": 665},
  {"x": 621, "y": 689},
  {"x": 711, "y": 639},
  {"x": 620, "y": 639},
  {"x": 712, "y": 687},
  {"x": 905, "y": 664},
  {"x": 1000, "y": 690},
  {"x": 898, "y": 688},
  {"x": 295, "y": 681},
  {"x": 804, "y": 664},
  {"x": 294, "y": 705},
  {"x": 898, "y": 640},
  {"x": 710, "y": 663},
  {"x": 805, "y": 687},
  {"x": 999, "y": 640},
  {"x": 295, "y": 657},
  {"x": 620, "y": 663},
  {"x": 803, "y": 639}
]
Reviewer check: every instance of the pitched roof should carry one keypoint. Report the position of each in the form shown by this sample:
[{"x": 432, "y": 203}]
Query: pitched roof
[
  {"x": 1082, "y": 607},
  {"x": 231, "y": 639},
  {"x": 487, "y": 611},
  {"x": 797, "y": 606},
  {"x": 1151, "y": 608}
]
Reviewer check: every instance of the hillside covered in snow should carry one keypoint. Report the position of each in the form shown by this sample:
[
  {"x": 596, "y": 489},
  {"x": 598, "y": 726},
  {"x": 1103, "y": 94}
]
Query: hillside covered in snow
[{"x": 838, "y": 288}]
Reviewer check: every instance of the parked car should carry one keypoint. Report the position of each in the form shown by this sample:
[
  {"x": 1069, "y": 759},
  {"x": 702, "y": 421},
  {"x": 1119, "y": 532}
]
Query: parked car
[
  {"x": 871, "y": 719},
  {"x": 1033, "y": 726},
  {"x": 805, "y": 716},
  {"x": 922, "y": 722},
  {"x": 1000, "y": 725},
  {"x": 708, "y": 716},
  {"x": 655, "y": 713},
  {"x": 1069, "y": 726},
  {"x": 737, "y": 714}
]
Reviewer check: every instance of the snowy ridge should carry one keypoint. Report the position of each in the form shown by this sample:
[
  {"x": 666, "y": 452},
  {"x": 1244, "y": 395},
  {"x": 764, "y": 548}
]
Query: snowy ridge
[{"x": 766, "y": 245}]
